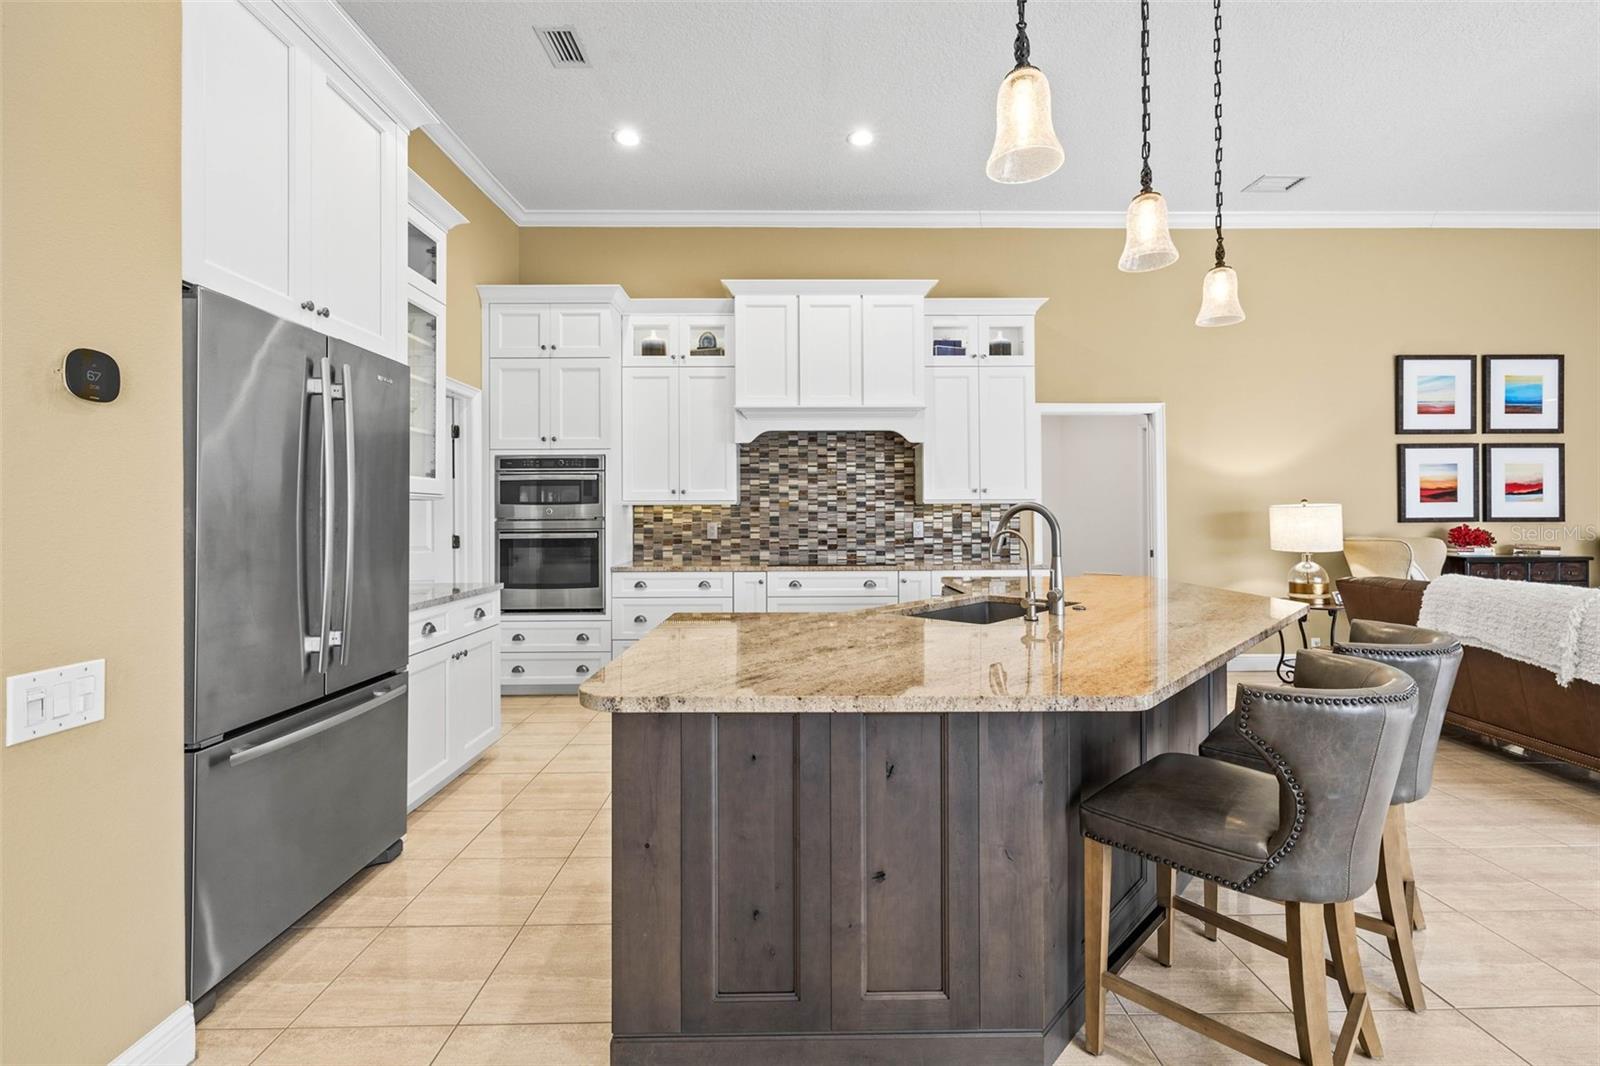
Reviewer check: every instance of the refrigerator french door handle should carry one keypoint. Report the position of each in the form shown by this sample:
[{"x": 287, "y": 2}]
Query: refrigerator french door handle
[
  {"x": 251, "y": 752},
  {"x": 344, "y": 394},
  {"x": 308, "y": 642},
  {"x": 324, "y": 633}
]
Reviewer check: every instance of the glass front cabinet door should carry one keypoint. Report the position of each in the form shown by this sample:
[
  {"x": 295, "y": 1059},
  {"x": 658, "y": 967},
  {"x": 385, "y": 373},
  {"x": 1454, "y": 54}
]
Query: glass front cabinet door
[{"x": 425, "y": 353}]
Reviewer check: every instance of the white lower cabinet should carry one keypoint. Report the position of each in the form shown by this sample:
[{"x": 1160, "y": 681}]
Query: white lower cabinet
[
  {"x": 750, "y": 592},
  {"x": 565, "y": 670},
  {"x": 829, "y": 590},
  {"x": 452, "y": 700},
  {"x": 643, "y": 599},
  {"x": 830, "y": 604},
  {"x": 915, "y": 585},
  {"x": 553, "y": 653},
  {"x": 633, "y": 617}
]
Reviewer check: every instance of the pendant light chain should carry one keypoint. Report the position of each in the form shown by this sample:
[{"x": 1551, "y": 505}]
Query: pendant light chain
[
  {"x": 1216, "y": 92},
  {"x": 1144, "y": 92},
  {"x": 1021, "y": 48}
]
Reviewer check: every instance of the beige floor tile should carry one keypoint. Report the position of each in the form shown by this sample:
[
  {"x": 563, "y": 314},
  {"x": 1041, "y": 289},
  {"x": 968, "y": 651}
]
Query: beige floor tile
[
  {"x": 411, "y": 977},
  {"x": 230, "y": 1047},
  {"x": 1433, "y": 1038},
  {"x": 1468, "y": 965},
  {"x": 477, "y": 792},
  {"x": 1510, "y": 896},
  {"x": 564, "y": 792},
  {"x": 1546, "y": 1036},
  {"x": 528, "y": 1045},
  {"x": 277, "y": 984},
  {"x": 514, "y": 759},
  {"x": 552, "y": 973},
  {"x": 580, "y": 894},
  {"x": 596, "y": 840},
  {"x": 390, "y": 1045},
  {"x": 1453, "y": 866},
  {"x": 1173, "y": 1044},
  {"x": 1567, "y": 940},
  {"x": 440, "y": 835},
  {"x": 596, "y": 732},
  {"x": 1122, "y": 1046},
  {"x": 482, "y": 892},
  {"x": 1204, "y": 976},
  {"x": 375, "y": 895},
  {"x": 581, "y": 759},
  {"x": 1487, "y": 836},
  {"x": 536, "y": 730},
  {"x": 1546, "y": 865},
  {"x": 523, "y": 834}
]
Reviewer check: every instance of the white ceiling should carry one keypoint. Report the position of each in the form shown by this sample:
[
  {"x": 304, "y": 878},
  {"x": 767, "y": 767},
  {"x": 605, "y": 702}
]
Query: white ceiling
[{"x": 1403, "y": 111}]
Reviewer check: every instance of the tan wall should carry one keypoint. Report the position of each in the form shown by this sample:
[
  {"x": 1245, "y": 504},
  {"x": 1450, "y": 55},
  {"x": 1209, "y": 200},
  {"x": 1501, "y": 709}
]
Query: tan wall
[
  {"x": 1295, "y": 402},
  {"x": 91, "y": 523},
  {"x": 481, "y": 251}
]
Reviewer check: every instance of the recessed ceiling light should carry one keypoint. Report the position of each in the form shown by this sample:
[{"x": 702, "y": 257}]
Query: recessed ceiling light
[
  {"x": 861, "y": 138},
  {"x": 1274, "y": 183},
  {"x": 627, "y": 136}
]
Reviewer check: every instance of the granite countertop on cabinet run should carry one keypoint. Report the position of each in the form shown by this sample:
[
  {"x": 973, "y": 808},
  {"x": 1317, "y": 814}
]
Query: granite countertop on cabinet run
[
  {"x": 952, "y": 565},
  {"x": 438, "y": 593},
  {"x": 1136, "y": 642}
]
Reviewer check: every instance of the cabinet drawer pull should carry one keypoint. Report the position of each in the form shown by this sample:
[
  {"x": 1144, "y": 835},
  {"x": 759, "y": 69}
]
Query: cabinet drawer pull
[
  {"x": 518, "y": 638},
  {"x": 479, "y": 615},
  {"x": 582, "y": 669},
  {"x": 639, "y": 619},
  {"x": 429, "y": 629},
  {"x": 794, "y": 584},
  {"x": 640, "y": 585},
  {"x": 705, "y": 584},
  {"x": 518, "y": 670},
  {"x": 869, "y": 584},
  {"x": 583, "y": 638}
]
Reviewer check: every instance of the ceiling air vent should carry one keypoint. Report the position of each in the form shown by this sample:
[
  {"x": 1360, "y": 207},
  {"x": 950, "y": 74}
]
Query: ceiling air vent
[
  {"x": 561, "y": 45},
  {"x": 1274, "y": 183}
]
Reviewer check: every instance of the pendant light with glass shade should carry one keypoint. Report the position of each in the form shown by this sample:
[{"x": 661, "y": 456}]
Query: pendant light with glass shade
[
  {"x": 1149, "y": 245},
  {"x": 1025, "y": 145},
  {"x": 1219, "y": 293}
]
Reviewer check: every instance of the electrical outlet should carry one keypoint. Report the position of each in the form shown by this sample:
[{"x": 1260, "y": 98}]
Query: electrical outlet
[
  {"x": 713, "y": 530},
  {"x": 1316, "y": 642},
  {"x": 54, "y": 699},
  {"x": 917, "y": 527},
  {"x": 994, "y": 527}
]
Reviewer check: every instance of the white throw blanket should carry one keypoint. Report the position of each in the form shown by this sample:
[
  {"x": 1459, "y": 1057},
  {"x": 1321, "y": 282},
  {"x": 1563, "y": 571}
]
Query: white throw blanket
[{"x": 1556, "y": 627}]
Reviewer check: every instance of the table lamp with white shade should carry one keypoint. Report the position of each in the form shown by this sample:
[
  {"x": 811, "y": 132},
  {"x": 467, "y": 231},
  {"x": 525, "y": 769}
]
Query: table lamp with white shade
[{"x": 1305, "y": 528}]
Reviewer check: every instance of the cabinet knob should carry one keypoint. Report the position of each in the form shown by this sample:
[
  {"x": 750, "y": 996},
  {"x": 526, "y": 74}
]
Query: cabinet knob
[
  {"x": 518, "y": 638},
  {"x": 541, "y": 347},
  {"x": 639, "y": 619},
  {"x": 429, "y": 629},
  {"x": 583, "y": 638},
  {"x": 582, "y": 669},
  {"x": 761, "y": 581},
  {"x": 479, "y": 615},
  {"x": 794, "y": 584},
  {"x": 705, "y": 584},
  {"x": 640, "y": 585},
  {"x": 518, "y": 670},
  {"x": 544, "y": 438},
  {"x": 308, "y": 305},
  {"x": 322, "y": 311},
  {"x": 552, "y": 440},
  {"x": 869, "y": 584}
]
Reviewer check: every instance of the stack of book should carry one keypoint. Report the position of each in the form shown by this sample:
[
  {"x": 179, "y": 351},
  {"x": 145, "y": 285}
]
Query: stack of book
[
  {"x": 949, "y": 349},
  {"x": 1527, "y": 549}
]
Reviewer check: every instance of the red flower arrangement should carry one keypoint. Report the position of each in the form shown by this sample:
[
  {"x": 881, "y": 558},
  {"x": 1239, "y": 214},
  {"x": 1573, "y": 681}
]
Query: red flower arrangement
[{"x": 1465, "y": 536}]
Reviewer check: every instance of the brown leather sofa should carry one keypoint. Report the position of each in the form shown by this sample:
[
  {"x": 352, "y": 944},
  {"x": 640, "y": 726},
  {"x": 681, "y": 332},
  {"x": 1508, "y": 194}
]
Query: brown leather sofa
[{"x": 1495, "y": 696}]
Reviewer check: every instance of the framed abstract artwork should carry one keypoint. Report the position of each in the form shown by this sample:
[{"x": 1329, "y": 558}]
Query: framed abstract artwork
[
  {"x": 1524, "y": 481},
  {"x": 1522, "y": 393},
  {"x": 1435, "y": 393},
  {"x": 1438, "y": 482}
]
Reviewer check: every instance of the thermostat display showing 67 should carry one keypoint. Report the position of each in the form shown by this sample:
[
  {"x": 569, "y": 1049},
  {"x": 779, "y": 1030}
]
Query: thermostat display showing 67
[{"x": 91, "y": 375}]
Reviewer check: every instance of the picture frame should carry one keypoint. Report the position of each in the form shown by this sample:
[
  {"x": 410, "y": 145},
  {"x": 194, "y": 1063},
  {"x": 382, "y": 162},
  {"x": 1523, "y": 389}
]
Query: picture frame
[
  {"x": 1524, "y": 393},
  {"x": 1435, "y": 394},
  {"x": 1437, "y": 482},
  {"x": 1524, "y": 482}
]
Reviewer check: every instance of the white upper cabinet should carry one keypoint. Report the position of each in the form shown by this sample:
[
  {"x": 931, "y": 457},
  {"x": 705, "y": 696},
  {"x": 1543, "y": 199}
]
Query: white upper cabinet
[
  {"x": 708, "y": 459},
  {"x": 830, "y": 351},
  {"x": 586, "y": 331},
  {"x": 429, "y": 219},
  {"x": 947, "y": 470},
  {"x": 517, "y": 396},
  {"x": 950, "y": 340},
  {"x": 768, "y": 327},
  {"x": 891, "y": 361},
  {"x": 579, "y": 399},
  {"x": 650, "y": 434},
  {"x": 1008, "y": 435},
  {"x": 293, "y": 178},
  {"x": 654, "y": 337},
  {"x": 518, "y": 331}
]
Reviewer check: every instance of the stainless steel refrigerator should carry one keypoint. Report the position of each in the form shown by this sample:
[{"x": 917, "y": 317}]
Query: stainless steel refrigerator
[{"x": 295, "y": 623}]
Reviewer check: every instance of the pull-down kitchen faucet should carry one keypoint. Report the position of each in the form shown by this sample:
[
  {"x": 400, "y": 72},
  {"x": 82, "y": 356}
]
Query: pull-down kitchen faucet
[{"x": 1055, "y": 598}]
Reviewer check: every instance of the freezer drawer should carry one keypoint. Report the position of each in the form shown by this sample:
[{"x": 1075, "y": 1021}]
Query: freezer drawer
[{"x": 283, "y": 815}]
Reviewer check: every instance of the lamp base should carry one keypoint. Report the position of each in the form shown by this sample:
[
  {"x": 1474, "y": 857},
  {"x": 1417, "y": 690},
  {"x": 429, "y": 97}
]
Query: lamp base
[{"x": 1309, "y": 583}]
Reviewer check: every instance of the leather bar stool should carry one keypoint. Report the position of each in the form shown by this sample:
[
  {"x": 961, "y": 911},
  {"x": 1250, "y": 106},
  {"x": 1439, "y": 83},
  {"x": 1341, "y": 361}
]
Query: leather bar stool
[
  {"x": 1306, "y": 835},
  {"x": 1432, "y": 659}
]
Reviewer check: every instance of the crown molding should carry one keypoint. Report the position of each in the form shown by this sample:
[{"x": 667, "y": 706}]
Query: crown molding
[
  {"x": 828, "y": 287},
  {"x": 467, "y": 161},
  {"x": 332, "y": 29},
  {"x": 434, "y": 207}
]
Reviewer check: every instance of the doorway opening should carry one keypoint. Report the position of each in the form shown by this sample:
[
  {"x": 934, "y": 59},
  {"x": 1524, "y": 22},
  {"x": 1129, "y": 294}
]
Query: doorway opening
[{"x": 1103, "y": 471}]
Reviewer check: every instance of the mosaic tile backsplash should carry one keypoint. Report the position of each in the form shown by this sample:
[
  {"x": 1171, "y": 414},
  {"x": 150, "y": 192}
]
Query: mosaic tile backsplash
[{"x": 819, "y": 499}]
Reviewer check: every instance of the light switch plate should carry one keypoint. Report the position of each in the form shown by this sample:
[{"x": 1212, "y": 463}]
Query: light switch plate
[
  {"x": 917, "y": 528},
  {"x": 52, "y": 700}
]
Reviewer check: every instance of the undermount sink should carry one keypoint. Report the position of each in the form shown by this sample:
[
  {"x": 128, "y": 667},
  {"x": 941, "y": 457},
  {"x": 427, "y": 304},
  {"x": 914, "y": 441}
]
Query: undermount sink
[{"x": 981, "y": 613}]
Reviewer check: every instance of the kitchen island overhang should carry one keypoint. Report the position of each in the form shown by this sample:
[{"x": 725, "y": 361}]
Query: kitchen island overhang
[{"x": 847, "y": 837}]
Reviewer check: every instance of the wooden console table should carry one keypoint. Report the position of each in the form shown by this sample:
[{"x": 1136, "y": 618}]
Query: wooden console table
[{"x": 1553, "y": 569}]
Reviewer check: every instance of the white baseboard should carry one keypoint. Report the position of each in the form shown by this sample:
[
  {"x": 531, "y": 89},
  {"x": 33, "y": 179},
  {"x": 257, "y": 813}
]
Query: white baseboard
[
  {"x": 170, "y": 1043},
  {"x": 1263, "y": 662}
]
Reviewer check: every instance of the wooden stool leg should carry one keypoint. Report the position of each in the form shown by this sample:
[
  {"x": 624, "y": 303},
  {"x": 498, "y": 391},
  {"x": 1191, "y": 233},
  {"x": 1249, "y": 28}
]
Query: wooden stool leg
[
  {"x": 1096, "y": 933},
  {"x": 1209, "y": 931},
  {"x": 1308, "y": 989},
  {"x": 1392, "y": 905},
  {"x": 1407, "y": 875},
  {"x": 1166, "y": 888},
  {"x": 1340, "y": 919}
]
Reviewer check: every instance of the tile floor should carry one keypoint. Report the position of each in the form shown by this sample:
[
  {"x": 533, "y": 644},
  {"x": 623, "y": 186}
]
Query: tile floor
[{"x": 488, "y": 940}]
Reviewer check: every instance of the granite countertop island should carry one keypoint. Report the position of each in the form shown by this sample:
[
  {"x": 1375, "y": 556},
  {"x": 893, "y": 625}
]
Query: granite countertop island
[
  {"x": 854, "y": 837},
  {"x": 437, "y": 593}
]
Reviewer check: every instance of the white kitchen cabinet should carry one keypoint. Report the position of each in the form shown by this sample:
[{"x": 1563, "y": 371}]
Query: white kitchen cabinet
[
  {"x": 579, "y": 403},
  {"x": 950, "y": 340},
  {"x": 915, "y": 585},
  {"x": 750, "y": 592},
  {"x": 425, "y": 356},
  {"x": 827, "y": 604},
  {"x": 983, "y": 433},
  {"x": 829, "y": 590},
  {"x": 677, "y": 435},
  {"x": 293, "y": 178},
  {"x": 453, "y": 699},
  {"x": 517, "y": 397},
  {"x": 652, "y": 339},
  {"x": 891, "y": 357},
  {"x": 632, "y": 617},
  {"x": 830, "y": 351},
  {"x": 582, "y": 331},
  {"x": 545, "y": 654},
  {"x": 564, "y": 671},
  {"x": 517, "y": 331},
  {"x": 947, "y": 467},
  {"x": 768, "y": 328},
  {"x": 472, "y": 695},
  {"x": 427, "y": 724},
  {"x": 1006, "y": 339}
]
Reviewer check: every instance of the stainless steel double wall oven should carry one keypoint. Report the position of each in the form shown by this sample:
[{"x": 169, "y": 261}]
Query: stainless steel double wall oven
[{"x": 550, "y": 532}]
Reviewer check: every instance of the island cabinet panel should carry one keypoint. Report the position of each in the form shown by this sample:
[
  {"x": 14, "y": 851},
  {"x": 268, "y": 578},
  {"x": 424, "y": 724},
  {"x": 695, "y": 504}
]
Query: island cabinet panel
[
  {"x": 1011, "y": 868},
  {"x": 905, "y": 871},
  {"x": 646, "y": 874},
  {"x": 755, "y": 873}
]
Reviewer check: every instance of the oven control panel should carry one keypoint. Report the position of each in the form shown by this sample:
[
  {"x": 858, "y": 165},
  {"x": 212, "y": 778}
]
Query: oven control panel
[{"x": 551, "y": 462}]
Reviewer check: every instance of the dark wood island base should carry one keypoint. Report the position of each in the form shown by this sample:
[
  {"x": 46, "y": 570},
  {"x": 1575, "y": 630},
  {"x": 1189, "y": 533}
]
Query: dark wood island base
[{"x": 884, "y": 887}]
